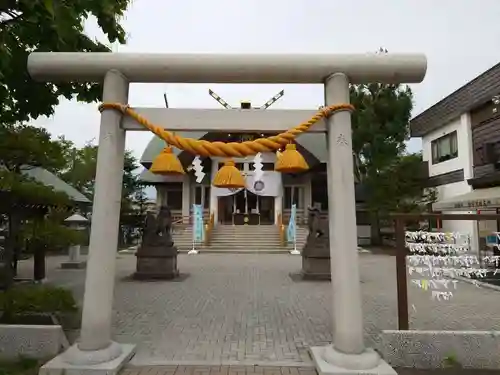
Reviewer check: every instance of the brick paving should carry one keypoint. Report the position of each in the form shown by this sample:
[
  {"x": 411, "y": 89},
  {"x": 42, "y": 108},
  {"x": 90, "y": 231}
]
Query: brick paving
[
  {"x": 218, "y": 370},
  {"x": 274, "y": 370},
  {"x": 246, "y": 309}
]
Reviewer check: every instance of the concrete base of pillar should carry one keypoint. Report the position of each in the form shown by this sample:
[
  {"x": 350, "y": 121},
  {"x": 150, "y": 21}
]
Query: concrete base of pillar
[
  {"x": 367, "y": 363},
  {"x": 74, "y": 265},
  {"x": 77, "y": 362}
]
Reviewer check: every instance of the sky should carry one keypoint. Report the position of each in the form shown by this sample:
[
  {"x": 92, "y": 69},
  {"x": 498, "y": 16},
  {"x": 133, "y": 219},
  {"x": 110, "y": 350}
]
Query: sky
[{"x": 460, "y": 38}]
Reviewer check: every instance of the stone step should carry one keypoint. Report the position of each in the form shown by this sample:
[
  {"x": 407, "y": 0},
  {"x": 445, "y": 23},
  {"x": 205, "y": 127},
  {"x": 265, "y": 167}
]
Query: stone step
[
  {"x": 213, "y": 250},
  {"x": 245, "y": 233},
  {"x": 274, "y": 239},
  {"x": 255, "y": 248},
  {"x": 243, "y": 239},
  {"x": 245, "y": 243},
  {"x": 247, "y": 227}
]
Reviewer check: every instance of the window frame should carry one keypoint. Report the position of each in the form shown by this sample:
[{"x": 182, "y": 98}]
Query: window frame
[{"x": 451, "y": 137}]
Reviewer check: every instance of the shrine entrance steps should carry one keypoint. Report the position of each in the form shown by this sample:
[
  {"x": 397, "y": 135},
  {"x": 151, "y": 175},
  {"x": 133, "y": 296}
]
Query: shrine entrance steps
[
  {"x": 182, "y": 234},
  {"x": 251, "y": 239},
  {"x": 227, "y": 238}
]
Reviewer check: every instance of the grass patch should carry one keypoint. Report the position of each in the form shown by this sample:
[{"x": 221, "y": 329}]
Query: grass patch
[{"x": 24, "y": 366}]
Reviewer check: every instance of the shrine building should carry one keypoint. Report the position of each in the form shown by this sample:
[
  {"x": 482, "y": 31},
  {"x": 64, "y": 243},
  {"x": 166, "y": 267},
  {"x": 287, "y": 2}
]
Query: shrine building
[{"x": 261, "y": 202}]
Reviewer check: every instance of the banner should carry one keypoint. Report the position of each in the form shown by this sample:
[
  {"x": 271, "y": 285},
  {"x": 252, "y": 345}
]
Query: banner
[
  {"x": 291, "y": 230},
  {"x": 198, "y": 230}
]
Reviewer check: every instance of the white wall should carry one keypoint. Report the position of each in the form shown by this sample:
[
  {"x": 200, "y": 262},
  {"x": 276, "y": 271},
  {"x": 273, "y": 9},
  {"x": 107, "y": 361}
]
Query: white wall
[{"x": 464, "y": 161}]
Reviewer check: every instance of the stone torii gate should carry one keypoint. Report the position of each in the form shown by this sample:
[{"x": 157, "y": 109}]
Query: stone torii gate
[{"x": 96, "y": 352}]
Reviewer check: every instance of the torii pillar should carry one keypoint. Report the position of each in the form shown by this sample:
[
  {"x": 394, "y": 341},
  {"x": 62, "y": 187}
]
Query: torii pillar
[{"x": 96, "y": 352}]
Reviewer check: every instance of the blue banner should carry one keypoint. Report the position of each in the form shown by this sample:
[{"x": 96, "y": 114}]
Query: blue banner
[
  {"x": 198, "y": 230},
  {"x": 291, "y": 230}
]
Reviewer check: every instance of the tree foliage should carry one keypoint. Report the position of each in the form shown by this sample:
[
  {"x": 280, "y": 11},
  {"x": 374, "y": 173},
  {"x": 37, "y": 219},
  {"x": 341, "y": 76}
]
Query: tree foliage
[
  {"x": 51, "y": 234},
  {"x": 399, "y": 186},
  {"x": 380, "y": 131},
  {"x": 49, "y": 26},
  {"x": 380, "y": 125},
  {"x": 23, "y": 147},
  {"x": 42, "y": 26},
  {"x": 80, "y": 170}
]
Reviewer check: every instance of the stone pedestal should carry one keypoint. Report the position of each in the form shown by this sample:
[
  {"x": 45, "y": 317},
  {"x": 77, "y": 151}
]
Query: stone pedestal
[
  {"x": 74, "y": 261},
  {"x": 156, "y": 263},
  {"x": 316, "y": 252},
  {"x": 157, "y": 255},
  {"x": 316, "y": 268}
]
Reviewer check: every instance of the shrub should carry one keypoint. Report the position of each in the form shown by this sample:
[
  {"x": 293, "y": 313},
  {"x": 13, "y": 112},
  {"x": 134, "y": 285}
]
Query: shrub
[
  {"x": 51, "y": 235},
  {"x": 32, "y": 299}
]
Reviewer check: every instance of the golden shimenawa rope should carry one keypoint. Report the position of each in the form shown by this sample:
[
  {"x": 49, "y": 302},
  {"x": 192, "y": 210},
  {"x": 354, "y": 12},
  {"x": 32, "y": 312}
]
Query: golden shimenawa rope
[{"x": 230, "y": 149}]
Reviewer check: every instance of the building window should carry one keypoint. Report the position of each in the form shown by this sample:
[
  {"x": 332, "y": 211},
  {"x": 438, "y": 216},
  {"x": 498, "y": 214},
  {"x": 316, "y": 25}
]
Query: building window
[
  {"x": 444, "y": 148},
  {"x": 292, "y": 196}
]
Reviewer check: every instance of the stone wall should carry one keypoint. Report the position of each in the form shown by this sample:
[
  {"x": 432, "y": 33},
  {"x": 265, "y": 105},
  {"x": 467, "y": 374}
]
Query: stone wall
[{"x": 31, "y": 341}]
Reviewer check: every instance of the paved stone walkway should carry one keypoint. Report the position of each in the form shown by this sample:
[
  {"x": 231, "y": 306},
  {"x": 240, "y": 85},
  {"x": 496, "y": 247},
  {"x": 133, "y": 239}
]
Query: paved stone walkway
[
  {"x": 246, "y": 309},
  {"x": 272, "y": 370},
  {"x": 218, "y": 370}
]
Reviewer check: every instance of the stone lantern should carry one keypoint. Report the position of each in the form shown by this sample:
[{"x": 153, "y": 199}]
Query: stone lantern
[{"x": 80, "y": 223}]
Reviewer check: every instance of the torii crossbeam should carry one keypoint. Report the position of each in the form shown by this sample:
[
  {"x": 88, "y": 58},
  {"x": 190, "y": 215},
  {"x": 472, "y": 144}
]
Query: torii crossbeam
[{"x": 117, "y": 70}]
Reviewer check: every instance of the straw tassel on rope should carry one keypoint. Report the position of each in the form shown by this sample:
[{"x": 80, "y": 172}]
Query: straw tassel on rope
[
  {"x": 229, "y": 177},
  {"x": 291, "y": 161},
  {"x": 166, "y": 163}
]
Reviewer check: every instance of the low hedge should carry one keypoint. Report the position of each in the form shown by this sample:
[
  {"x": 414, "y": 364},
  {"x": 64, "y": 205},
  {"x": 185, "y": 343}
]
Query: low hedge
[{"x": 37, "y": 299}]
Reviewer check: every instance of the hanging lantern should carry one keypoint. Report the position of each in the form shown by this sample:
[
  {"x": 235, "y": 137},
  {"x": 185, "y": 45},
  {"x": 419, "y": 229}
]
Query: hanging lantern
[
  {"x": 229, "y": 177},
  {"x": 291, "y": 161},
  {"x": 167, "y": 163}
]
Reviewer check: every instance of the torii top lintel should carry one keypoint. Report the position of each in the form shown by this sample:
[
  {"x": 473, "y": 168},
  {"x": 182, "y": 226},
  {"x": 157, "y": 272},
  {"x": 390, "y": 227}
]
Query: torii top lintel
[{"x": 227, "y": 68}]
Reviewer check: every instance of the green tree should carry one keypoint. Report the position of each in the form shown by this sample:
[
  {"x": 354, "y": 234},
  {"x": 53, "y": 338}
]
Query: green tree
[
  {"x": 141, "y": 200},
  {"x": 380, "y": 130},
  {"x": 132, "y": 217},
  {"x": 49, "y": 26},
  {"x": 380, "y": 126},
  {"x": 23, "y": 147},
  {"x": 399, "y": 187},
  {"x": 80, "y": 170},
  {"x": 23, "y": 199}
]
